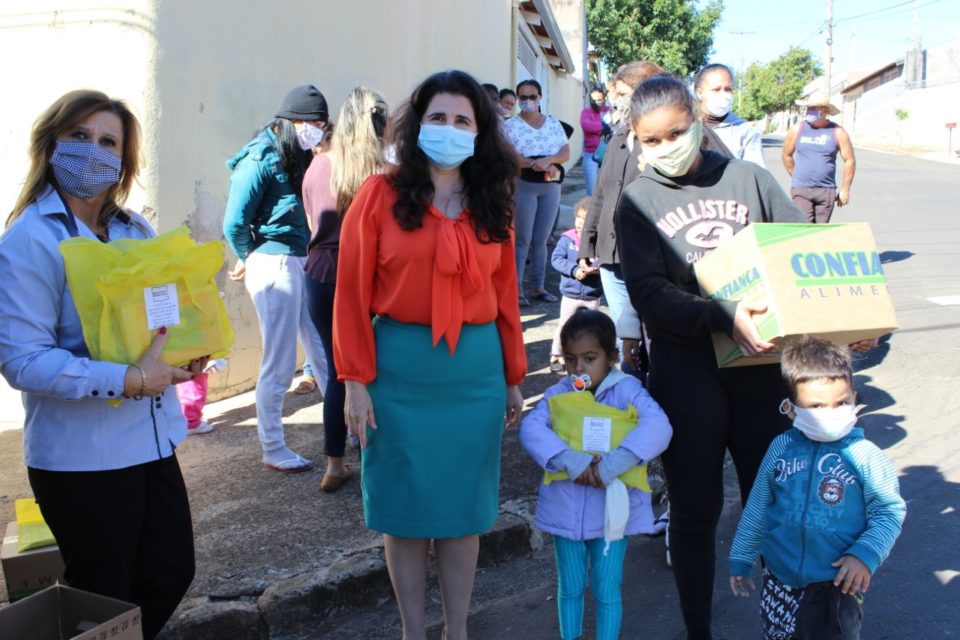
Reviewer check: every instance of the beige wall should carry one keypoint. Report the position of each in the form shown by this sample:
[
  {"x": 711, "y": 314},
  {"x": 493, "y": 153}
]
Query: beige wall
[
  {"x": 203, "y": 76},
  {"x": 49, "y": 47}
]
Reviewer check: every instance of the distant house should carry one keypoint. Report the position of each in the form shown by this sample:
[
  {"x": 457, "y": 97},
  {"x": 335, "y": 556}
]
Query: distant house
[
  {"x": 907, "y": 102},
  {"x": 203, "y": 76}
]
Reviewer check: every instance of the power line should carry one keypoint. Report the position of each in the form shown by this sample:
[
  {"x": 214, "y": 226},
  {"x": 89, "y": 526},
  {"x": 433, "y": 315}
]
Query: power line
[
  {"x": 871, "y": 15},
  {"x": 816, "y": 32},
  {"x": 845, "y": 18}
]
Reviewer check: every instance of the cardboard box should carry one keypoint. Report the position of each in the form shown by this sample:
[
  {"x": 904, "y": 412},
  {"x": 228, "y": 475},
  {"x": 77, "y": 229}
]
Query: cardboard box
[
  {"x": 818, "y": 279},
  {"x": 61, "y": 613},
  {"x": 28, "y": 572}
]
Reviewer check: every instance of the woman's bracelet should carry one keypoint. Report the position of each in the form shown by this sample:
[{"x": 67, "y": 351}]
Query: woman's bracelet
[{"x": 143, "y": 382}]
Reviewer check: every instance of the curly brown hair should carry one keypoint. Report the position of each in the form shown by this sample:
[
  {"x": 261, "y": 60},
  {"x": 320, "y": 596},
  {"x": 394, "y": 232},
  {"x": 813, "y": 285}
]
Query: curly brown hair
[{"x": 488, "y": 175}]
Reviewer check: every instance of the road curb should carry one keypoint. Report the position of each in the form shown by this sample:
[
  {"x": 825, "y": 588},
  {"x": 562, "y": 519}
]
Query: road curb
[{"x": 293, "y": 606}]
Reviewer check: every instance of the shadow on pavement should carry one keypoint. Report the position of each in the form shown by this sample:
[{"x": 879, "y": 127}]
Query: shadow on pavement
[
  {"x": 887, "y": 257},
  {"x": 921, "y": 579}
]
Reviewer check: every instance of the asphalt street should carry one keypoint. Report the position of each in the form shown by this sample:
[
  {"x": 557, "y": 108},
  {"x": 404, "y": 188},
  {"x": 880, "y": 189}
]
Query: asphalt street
[
  {"x": 254, "y": 528},
  {"x": 906, "y": 384}
]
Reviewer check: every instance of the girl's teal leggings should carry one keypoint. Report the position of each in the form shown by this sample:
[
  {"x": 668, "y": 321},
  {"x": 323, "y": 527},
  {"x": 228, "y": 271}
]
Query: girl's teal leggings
[{"x": 576, "y": 559}]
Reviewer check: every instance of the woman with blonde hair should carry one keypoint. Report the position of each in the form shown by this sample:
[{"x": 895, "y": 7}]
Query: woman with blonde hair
[
  {"x": 88, "y": 461},
  {"x": 331, "y": 182}
]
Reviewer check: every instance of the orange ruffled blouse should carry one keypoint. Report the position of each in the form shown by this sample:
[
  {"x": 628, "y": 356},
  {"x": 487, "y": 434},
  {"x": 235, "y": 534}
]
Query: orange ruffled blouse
[{"x": 439, "y": 275}]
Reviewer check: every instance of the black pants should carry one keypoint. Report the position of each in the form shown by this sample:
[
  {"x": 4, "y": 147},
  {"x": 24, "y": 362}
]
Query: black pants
[
  {"x": 819, "y": 611},
  {"x": 320, "y": 304},
  {"x": 124, "y": 534},
  {"x": 711, "y": 410}
]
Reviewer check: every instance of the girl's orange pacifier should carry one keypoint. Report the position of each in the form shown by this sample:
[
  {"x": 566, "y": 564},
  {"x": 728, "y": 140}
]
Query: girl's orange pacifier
[{"x": 581, "y": 383}]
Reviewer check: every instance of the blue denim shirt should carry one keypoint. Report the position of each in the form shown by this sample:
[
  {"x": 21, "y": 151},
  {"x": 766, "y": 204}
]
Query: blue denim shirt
[{"x": 69, "y": 425}]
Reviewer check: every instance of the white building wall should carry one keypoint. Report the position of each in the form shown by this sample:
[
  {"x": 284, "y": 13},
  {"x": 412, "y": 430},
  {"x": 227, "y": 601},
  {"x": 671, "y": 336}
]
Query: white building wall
[
  {"x": 203, "y": 76},
  {"x": 49, "y": 47},
  {"x": 872, "y": 119}
]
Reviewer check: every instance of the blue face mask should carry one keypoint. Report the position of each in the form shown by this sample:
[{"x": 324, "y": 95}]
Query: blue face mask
[
  {"x": 446, "y": 146},
  {"x": 812, "y": 116},
  {"x": 84, "y": 169}
]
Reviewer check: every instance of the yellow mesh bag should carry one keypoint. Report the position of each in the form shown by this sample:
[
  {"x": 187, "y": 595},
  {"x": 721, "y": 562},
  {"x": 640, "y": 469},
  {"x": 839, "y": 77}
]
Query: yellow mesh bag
[
  {"x": 567, "y": 411},
  {"x": 108, "y": 283},
  {"x": 32, "y": 531}
]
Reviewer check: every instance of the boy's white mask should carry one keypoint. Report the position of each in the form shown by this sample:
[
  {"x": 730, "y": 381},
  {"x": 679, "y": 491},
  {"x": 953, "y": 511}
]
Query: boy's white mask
[{"x": 827, "y": 424}]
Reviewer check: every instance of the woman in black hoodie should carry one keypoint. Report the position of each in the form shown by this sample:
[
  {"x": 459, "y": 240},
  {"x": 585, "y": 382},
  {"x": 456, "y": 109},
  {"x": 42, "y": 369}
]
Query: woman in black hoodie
[{"x": 683, "y": 204}]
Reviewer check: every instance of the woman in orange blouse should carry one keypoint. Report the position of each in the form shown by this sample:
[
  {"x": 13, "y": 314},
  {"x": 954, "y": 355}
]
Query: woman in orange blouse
[{"x": 427, "y": 251}]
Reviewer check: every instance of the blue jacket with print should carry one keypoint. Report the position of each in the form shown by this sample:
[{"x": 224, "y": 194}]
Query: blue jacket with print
[{"x": 813, "y": 502}]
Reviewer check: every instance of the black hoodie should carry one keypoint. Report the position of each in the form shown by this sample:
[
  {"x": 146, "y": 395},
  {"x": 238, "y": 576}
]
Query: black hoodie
[{"x": 664, "y": 225}]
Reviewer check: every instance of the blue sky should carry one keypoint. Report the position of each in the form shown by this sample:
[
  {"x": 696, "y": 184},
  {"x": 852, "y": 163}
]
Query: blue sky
[{"x": 867, "y": 34}]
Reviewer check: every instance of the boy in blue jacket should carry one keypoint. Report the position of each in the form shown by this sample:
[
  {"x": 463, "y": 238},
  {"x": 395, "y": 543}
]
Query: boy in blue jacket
[
  {"x": 825, "y": 508},
  {"x": 579, "y": 286}
]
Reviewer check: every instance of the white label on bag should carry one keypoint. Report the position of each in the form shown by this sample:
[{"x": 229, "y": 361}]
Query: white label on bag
[
  {"x": 163, "y": 306},
  {"x": 596, "y": 434}
]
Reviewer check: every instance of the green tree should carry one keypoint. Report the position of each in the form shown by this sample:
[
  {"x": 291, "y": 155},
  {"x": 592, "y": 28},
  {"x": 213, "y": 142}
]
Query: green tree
[
  {"x": 776, "y": 86},
  {"x": 747, "y": 104},
  {"x": 674, "y": 34}
]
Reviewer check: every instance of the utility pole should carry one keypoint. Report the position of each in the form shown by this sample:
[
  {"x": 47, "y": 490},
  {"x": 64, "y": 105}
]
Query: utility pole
[
  {"x": 829, "y": 45},
  {"x": 917, "y": 50},
  {"x": 740, "y": 73}
]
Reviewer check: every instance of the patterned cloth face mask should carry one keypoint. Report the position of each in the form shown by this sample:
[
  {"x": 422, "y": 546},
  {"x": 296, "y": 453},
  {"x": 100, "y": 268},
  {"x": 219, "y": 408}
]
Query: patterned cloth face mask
[
  {"x": 309, "y": 136},
  {"x": 84, "y": 169},
  {"x": 530, "y": 106}
]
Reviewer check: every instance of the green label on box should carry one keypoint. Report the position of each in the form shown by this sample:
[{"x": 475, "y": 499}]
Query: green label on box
[
  {"x": 815, "y": 269},
  {"x": 739, "y": 286},
  {"x": 768, "y": 234}
]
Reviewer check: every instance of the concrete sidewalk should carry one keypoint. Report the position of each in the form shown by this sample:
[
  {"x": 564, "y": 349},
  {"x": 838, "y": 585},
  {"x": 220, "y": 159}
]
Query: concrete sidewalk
[{"x": 276, "y": 557}]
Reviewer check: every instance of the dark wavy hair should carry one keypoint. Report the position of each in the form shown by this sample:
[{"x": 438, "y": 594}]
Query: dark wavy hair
[
  {"x": 488, "y": 175},
  {"x": 293, "y": 159}
]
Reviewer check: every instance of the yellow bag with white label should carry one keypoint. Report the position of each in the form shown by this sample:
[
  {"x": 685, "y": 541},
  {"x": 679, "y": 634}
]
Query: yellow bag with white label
[
  {"x": 567, "y": 413},
  {"x": 32, "y": 530},
  {"x": 113, "y": 285}
]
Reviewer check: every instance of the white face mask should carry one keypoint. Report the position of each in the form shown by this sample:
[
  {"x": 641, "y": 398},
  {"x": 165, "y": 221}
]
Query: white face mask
[
  {"x": 675, "y": 158},
  {"x": 827, "y": 424},
  {"x": 309, "y": 136},
  {"x": 717, "y": 103},
  {"x": 621, "y": 109}
]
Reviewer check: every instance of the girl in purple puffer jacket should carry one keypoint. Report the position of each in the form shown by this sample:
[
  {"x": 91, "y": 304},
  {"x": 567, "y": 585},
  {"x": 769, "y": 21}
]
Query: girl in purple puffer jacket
[{"x": 590, "y": 511}]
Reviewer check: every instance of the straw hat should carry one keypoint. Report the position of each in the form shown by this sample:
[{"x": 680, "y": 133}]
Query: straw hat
[{"x": 819, "y": 99}]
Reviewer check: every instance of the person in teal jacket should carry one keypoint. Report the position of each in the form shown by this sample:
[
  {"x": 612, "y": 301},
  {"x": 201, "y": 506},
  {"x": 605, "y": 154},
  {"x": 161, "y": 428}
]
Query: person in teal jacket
[
  {"x": 825, "y": 508},
  {"x": 266, "y": 226}
]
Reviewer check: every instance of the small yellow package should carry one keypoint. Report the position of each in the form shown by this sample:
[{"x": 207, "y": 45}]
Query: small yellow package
[
  {"x": 125, "y": 290},
  {"x": 568, "y": 411},
  {"x": 32, "y": 531}
]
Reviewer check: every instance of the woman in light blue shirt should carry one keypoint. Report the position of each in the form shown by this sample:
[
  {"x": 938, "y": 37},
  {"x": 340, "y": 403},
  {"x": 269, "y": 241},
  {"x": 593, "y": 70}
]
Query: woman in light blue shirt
[{"x": 106, "y": 478}]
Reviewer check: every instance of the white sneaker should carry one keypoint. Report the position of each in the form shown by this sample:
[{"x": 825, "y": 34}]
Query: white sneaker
[{"x": 200, "y": 429}]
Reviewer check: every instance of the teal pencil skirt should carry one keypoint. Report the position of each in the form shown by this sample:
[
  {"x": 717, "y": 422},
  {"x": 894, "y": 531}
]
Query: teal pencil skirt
[{"x": 432, "y": 468}]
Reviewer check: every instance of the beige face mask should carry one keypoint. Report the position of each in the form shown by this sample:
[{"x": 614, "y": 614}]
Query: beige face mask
[{"x": 675, "y": 158}]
